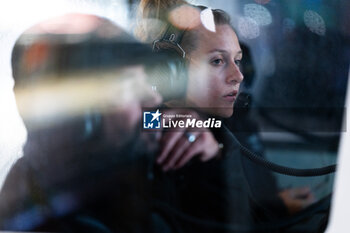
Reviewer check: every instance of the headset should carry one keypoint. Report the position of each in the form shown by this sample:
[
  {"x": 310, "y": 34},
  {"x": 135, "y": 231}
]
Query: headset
[{"x": 169, "y": 77}]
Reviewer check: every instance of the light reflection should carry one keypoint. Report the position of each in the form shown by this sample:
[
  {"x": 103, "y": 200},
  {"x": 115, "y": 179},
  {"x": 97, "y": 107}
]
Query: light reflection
[
  {"x": 58, "y": 26},
  {"x": 185, "y": 17},
  {"x": 314, "y": 22},
  {"x": 207, "y": 19},
  {"x": 248, "y": 28},
  {"x": 259, "y": 13},
  {"x": 77, "y": 92}
]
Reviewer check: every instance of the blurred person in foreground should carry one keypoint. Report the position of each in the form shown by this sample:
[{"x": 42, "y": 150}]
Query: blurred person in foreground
[{"x": 79, "y": 85}]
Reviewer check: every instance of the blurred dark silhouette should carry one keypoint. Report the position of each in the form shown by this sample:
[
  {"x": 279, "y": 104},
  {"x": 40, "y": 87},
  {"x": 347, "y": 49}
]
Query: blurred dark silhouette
[{"x": 80, "y": 86}]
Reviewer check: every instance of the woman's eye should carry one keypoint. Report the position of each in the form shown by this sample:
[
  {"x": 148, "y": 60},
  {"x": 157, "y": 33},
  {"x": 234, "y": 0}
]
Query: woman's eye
[
  {"x": 238, "y": 63},
  {"x": 217, "y": 62}
]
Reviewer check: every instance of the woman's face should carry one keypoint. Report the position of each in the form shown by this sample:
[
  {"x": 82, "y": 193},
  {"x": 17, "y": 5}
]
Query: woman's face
[{"x": 214, "y": 75}]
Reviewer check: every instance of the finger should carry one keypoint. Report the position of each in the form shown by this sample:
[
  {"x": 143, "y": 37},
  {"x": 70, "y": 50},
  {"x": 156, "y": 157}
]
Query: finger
[
  {"x": 168, "y": 141},
  {"x": 181, "y": 145},
  {"x": 207, "y": 156},
  {"x": 191, "y": 151},
  {"x": 211, "y": 148}
]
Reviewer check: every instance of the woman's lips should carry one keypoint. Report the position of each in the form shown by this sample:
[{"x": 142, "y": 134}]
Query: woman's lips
[{"x": 231, "y": 96}]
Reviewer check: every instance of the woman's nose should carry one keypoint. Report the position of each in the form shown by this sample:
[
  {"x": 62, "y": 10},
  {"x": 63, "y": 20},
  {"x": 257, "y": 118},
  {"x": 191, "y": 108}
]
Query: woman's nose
[{"x": 234, "y": 74}]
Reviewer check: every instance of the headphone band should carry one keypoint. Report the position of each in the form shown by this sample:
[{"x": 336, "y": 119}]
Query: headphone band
[
  {"x": 173, "y": 34},
  {"x": 171, "y": 39}
]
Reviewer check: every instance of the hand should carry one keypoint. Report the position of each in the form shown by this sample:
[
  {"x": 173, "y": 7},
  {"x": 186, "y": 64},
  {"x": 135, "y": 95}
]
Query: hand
[
  {"x": 177, "y": 149},
  {"x": 297, "y": 199}
]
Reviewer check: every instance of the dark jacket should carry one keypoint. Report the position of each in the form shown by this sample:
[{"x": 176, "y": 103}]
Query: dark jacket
[{"x": 211, "y": 196}]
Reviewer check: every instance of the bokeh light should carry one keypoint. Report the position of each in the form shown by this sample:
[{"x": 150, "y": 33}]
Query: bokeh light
[
  {"x": 248, "y": 28},
  {"x": 314, "y": 22},
  {"x": 259, "y": 13},
  {"x": 185, "y": 17}
]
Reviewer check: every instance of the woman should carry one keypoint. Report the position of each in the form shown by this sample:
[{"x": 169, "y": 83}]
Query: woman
[
  {"x": 213, "y": 55},
  {"x": 215, "y": 191},
  {"x": 213, "y": 63}
]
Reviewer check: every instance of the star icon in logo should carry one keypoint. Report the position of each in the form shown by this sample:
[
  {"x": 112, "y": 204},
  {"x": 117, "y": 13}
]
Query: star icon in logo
[{"x": 156, "y": 115}]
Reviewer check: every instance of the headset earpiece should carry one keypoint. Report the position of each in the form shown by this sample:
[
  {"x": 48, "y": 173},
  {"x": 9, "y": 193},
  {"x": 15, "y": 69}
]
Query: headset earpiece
[
  {"x": 170, "y": 76},
  {"x": 170, "y": 40}
]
